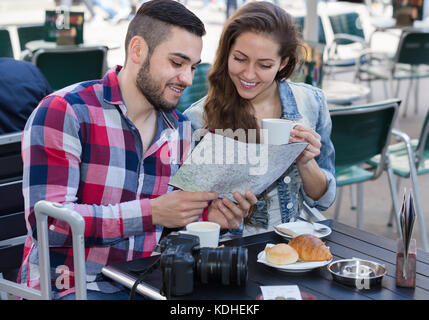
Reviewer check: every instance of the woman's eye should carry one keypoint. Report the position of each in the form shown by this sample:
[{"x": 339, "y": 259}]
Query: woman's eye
[
  {"x": 266, "y": 66},
  {"x": 238, "y": 59}
]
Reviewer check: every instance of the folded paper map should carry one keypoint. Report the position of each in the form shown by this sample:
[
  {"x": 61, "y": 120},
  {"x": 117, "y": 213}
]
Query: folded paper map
[{"x": 224, "y": 165}]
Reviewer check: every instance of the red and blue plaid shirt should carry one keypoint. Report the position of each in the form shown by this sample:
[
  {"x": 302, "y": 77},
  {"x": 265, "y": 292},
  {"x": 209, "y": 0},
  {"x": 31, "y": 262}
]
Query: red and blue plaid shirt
[{"x": 80, "y": 149}]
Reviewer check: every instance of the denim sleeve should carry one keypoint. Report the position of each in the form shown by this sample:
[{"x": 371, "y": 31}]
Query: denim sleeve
[{"x": 326, "y": 158}]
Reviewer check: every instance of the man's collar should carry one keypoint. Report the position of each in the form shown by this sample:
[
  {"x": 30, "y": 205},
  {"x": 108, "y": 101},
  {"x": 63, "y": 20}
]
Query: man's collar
[
  {"x": 112, "y": 95},
  {"x": 111, "y": 90}
]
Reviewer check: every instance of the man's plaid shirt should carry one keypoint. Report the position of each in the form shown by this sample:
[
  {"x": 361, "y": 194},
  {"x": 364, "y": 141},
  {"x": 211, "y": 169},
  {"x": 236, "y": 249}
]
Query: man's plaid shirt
[{"x": 80, "y": 149}]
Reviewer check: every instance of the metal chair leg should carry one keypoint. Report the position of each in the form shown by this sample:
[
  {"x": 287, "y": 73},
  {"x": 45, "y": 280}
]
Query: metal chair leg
[
  {"x": 386, "y": 93},
  {"x": 419, "y": 210},
  {"x": 415, "y": 187},
  {"x": 338, "y": 202},
  {"x": 394, "y": 195},
  {"x": 353, "y": 193},
  {"x": 407, "y": 98},
  {"x": 360, "y": 221},
  {"x": 416, "y": 98}
]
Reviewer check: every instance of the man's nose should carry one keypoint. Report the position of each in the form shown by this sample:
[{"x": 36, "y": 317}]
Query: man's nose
[{"x": 187, "y": 76}]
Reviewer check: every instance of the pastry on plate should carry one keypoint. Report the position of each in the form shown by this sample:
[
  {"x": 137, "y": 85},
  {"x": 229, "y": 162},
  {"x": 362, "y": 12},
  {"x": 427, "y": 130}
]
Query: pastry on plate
[
  {"x": 310, "y": 248},
  {"x": 281, "y": 254}
]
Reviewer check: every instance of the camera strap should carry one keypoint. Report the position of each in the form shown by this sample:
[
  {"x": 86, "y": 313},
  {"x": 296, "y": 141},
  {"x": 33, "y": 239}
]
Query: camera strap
[{"x": 142, "y": 275}]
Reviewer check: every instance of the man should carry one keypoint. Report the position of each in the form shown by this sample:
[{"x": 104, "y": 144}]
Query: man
[
  {"x": 100, "y": 149},
  {"x": 22, "y": 86}
]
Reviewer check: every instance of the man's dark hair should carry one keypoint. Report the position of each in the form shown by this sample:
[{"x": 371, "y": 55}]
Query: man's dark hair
[{"x": 154, "y": 19}]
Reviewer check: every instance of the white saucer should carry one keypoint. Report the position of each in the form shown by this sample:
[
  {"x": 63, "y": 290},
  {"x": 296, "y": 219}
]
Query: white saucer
[
  {"x": 303, "y": 266},
  {"x": 302, "y": 227}
]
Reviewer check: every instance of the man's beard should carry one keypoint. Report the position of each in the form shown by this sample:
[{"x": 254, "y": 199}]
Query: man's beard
[{"x": 151, "y": 89}]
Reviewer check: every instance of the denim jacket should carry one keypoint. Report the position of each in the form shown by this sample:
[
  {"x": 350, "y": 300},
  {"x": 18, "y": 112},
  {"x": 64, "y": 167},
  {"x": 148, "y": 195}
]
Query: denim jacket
[{"x": 306, "y": 105}]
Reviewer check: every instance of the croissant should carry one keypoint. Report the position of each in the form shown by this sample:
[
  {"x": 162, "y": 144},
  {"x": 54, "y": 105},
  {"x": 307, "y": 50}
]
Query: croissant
[{"x": 310, "y": 248}]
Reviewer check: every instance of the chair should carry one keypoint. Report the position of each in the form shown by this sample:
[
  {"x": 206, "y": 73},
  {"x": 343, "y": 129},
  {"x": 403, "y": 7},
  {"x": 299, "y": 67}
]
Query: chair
[
  {"x": 12, "y": 221},
  {"x": 299, "y": 22},
  {"x": 30, "y": 33},
  {"x": 199, "y": 88},
  {"x": 13, "y": 231},
  {"x": 66, "y": 66},
  {"x": 411, "y": 62},
  {"x": 409, "y": 159},
  {"x": 27, "y": 34},
  {"x": 311, "y": 72},
  {"x": 358, "y": 134},
  {"x": 43, "y": 210},
  {"x": 6, "y": 49},
  {"x": 347, "y": 23},
  {"x": 347, "y": 43}
]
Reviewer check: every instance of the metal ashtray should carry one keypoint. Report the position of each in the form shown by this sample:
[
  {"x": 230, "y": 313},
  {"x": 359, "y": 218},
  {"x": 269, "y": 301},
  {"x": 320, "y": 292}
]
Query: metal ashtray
[{"x": 361, "y": 274}]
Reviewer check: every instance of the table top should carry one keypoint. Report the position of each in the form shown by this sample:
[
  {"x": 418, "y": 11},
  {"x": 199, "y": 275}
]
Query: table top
[
  {"x": 385, "y": 23},
  {"x": 343, "y": 92},
  {"x": 345, "y": 242},
  {"x": 35, "y": 45}
]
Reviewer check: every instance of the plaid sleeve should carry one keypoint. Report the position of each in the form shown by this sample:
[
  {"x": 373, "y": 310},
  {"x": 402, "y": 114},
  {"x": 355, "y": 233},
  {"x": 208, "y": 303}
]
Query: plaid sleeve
[{"x": 51, "y": 151}]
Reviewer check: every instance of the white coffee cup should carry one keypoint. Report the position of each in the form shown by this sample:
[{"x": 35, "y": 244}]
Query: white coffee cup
[
  {"x": 207, "y": 231},
  {"x": 277, "y": 131}
]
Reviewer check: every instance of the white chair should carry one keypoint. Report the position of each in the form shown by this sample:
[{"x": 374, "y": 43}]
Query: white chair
[{"x": 43, "y": 209}]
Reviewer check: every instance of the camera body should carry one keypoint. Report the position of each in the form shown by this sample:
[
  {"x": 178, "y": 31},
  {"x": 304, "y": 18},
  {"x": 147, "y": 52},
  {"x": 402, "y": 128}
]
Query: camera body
[
  {"x": 177, "y": 263},
  {"x": 183, "y": 261}
]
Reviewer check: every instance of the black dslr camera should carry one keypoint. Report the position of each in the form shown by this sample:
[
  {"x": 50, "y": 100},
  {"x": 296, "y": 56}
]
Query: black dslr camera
[{"x": 182, "y": 260}]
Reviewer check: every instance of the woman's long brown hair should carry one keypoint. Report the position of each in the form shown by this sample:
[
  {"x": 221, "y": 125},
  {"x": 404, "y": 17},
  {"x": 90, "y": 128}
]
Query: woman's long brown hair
[{"x": 224, "y": 108}]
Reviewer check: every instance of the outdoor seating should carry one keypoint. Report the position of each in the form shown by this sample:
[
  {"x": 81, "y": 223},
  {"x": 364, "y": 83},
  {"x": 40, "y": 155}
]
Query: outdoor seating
[
  {"x": 311, "y": 71},
  {"x": 6, "y": 49},
  {"x": 358, "y": 134},
  {"x": 411, "y": 62},
  {"x": 299, "y": 22},
  {"x": 347, "y": 43},
  {"x": 199, "y": 88},
  {"x": 43, "y": 210},
  {"x": 29, "y": 33},
  {"x": 409, "y": 159},
  {"x": 12, "y": 222},
  {"x": 66, "y": 66}
]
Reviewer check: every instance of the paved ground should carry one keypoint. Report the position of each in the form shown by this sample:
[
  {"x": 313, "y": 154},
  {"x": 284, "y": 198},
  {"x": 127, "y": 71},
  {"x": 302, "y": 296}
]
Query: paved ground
[{"x": 377, "y": 201}]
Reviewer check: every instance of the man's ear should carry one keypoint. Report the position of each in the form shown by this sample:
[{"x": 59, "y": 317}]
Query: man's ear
[{"x": 137, "y": 50}]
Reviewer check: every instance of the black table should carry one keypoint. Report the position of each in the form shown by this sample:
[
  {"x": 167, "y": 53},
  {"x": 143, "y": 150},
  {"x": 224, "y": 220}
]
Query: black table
[{"x": 344, "y": 242}]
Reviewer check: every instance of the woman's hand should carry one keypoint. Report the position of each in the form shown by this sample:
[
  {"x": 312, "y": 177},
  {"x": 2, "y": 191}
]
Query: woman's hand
[
  {"x": 229, "y": 214},
  {"x": 302, "y": 133},
  {"x": 313, "y": 179}
]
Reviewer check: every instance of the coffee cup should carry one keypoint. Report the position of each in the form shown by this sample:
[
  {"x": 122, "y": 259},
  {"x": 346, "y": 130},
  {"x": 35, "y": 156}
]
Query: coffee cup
[
  {"x": 277, "y": 131},
  {"x": 208, "y": 232}
]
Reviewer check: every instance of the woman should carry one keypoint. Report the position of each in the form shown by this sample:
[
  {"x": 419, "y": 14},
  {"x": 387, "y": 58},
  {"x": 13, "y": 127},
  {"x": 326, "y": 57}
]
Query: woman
[{"x": 257, "y": 52}]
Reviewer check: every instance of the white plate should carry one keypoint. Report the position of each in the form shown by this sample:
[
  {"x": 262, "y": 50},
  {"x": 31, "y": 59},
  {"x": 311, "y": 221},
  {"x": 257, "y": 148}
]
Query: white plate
[
  {"x": 301, "y": 227},
  {"x": 294, "y": 267}
]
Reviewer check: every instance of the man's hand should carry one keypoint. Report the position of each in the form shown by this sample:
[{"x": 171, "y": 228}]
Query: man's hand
[
  {"x": 178, "y": 208},
  {"x": 229, "y": 214}
]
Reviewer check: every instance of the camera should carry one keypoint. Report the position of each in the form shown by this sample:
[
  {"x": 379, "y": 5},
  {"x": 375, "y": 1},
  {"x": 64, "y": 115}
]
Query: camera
[{"x": 182, "y": 262}]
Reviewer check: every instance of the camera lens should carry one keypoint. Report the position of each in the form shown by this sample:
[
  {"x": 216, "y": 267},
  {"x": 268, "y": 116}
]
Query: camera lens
[{"x": 226, "y": 265}]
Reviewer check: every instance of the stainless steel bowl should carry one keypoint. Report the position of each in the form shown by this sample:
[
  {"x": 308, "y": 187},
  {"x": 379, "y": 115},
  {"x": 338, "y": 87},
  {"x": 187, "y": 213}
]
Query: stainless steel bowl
[{"x": 361, "y": 274}]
